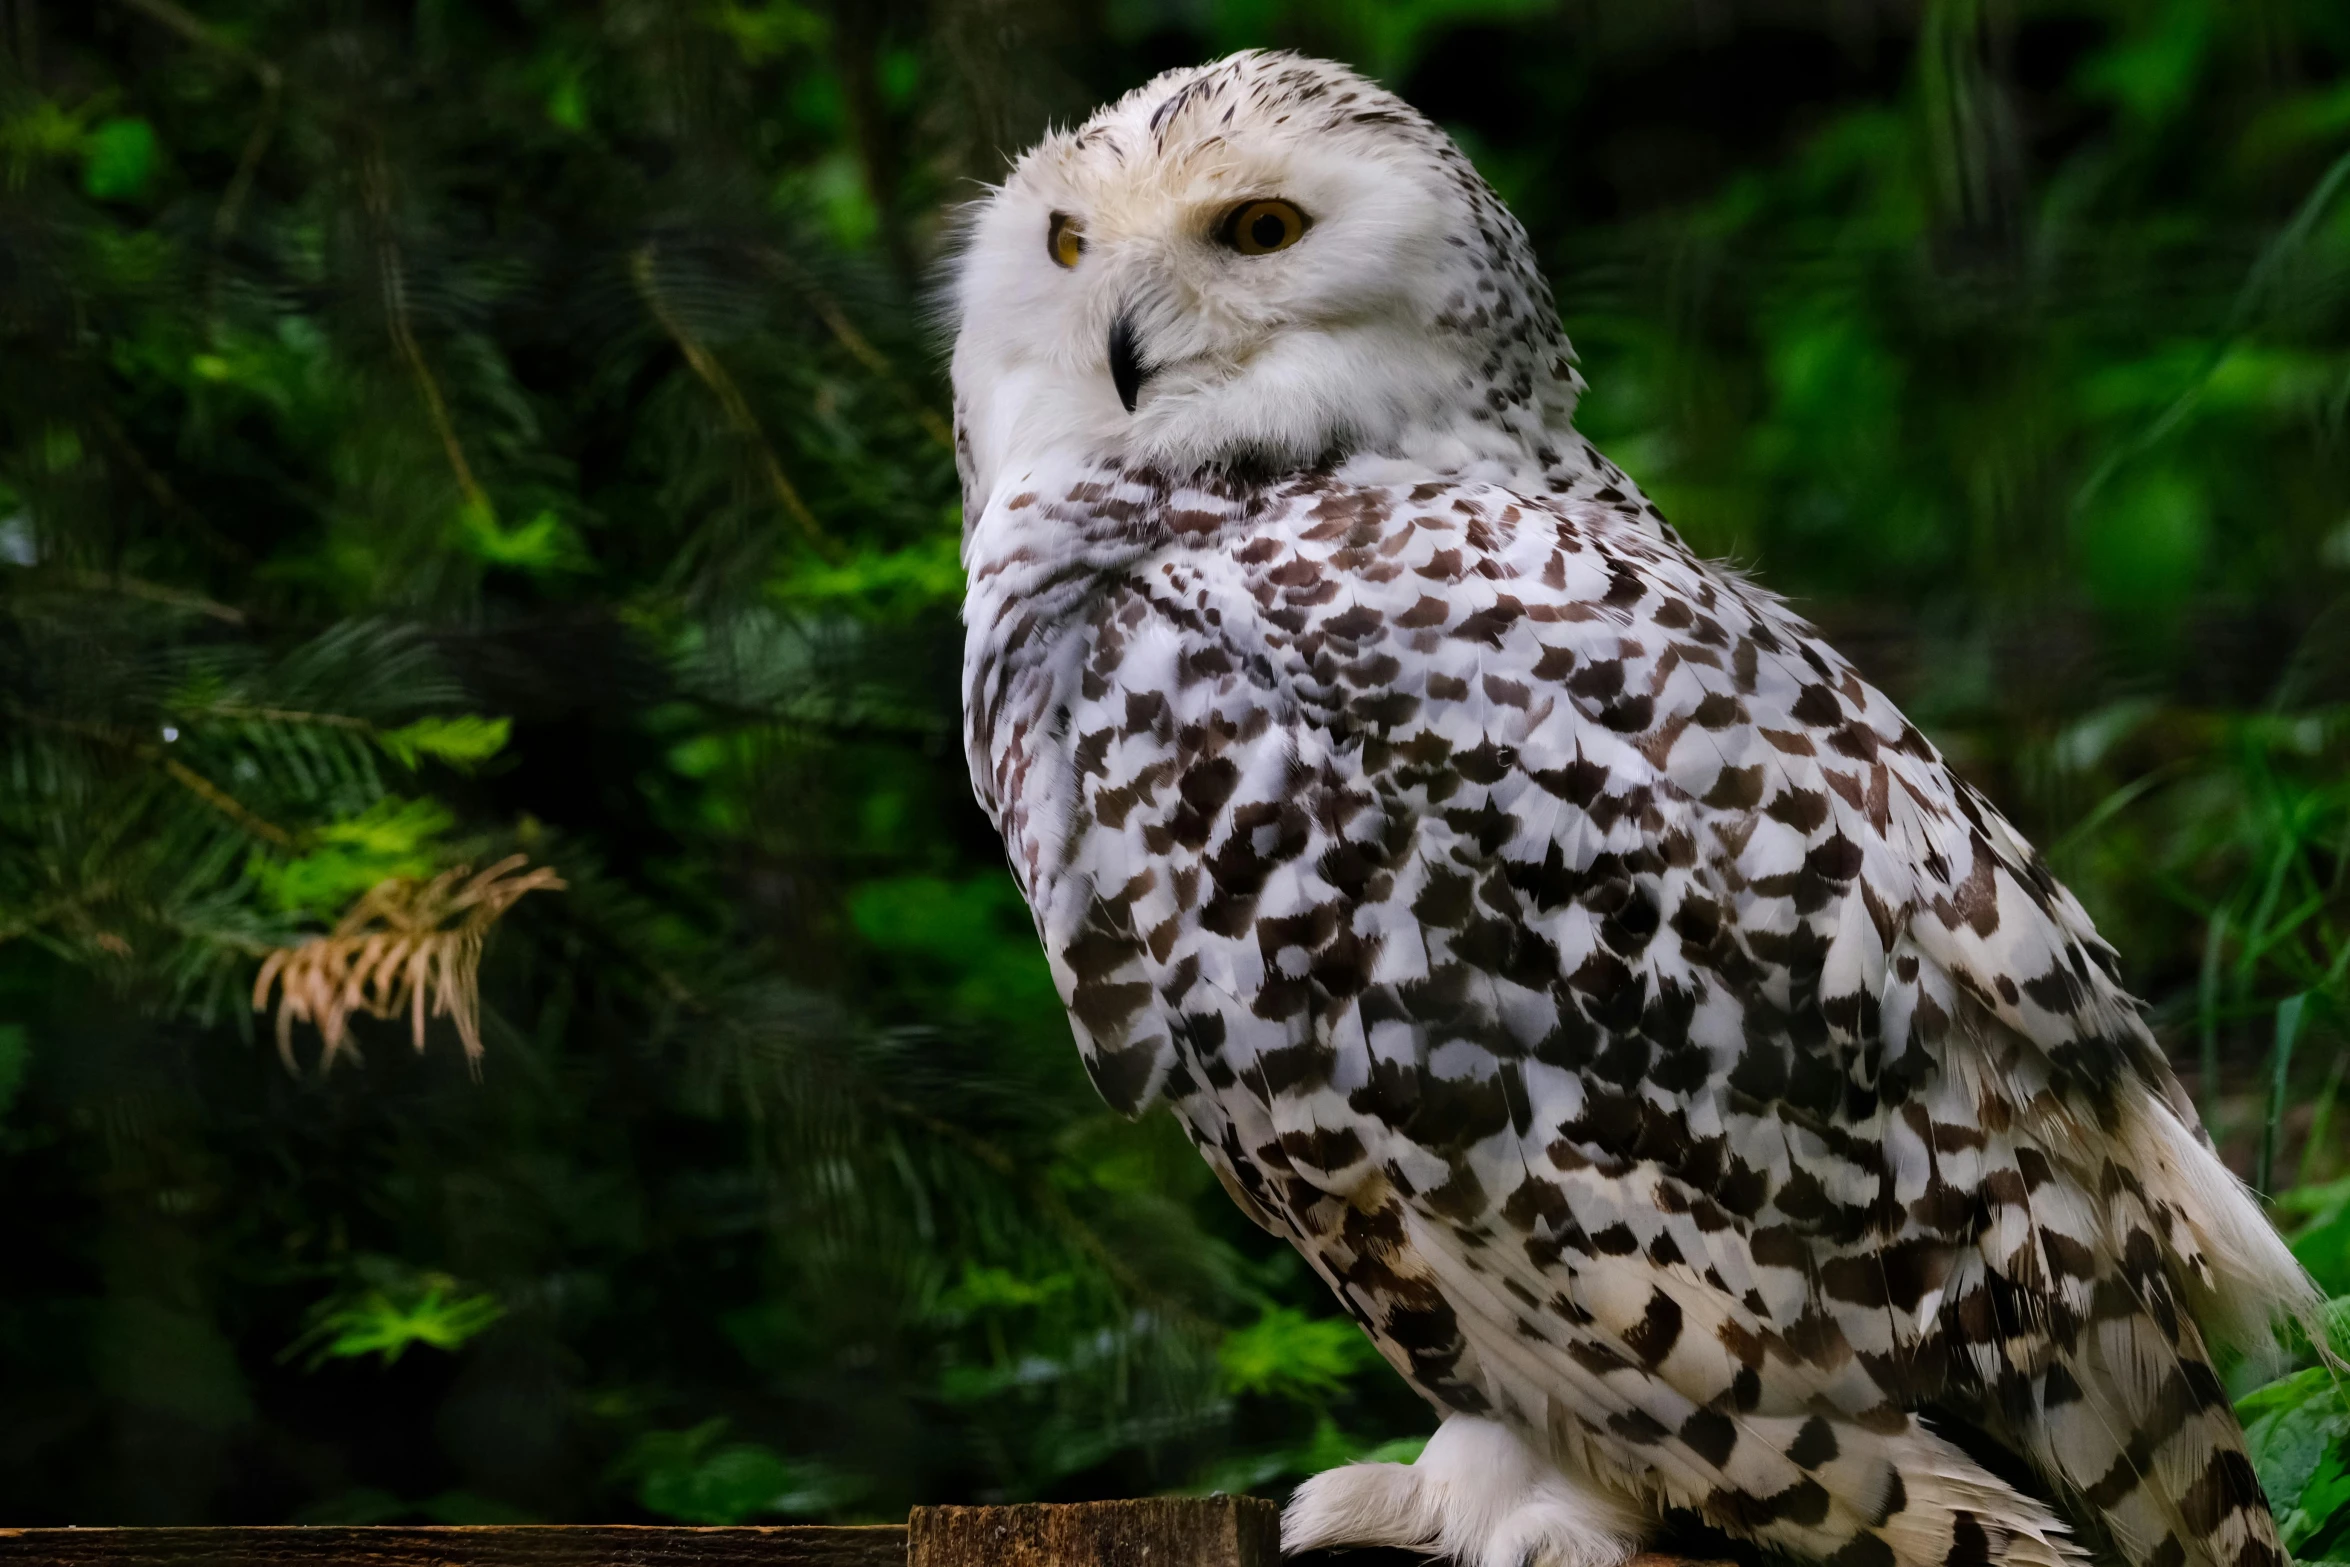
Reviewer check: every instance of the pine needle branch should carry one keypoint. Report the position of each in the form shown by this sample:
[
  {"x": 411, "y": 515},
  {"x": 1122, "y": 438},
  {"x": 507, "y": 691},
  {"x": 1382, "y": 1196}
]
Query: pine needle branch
[
  {"x": 375, "y": 188},
  {"x": 232, "y": 202},
  {"x": 643, "y": 267},
  {"x": 860, "y": 347},
  {"x": 178, "y": 771},
  {"x": 222, "y": 801},
  {"x": 138, "y": 588}
]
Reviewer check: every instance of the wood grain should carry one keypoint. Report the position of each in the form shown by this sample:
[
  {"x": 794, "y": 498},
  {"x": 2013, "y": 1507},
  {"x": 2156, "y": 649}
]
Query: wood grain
[
  {"x": 532, "y": 1545},
  {"x": 1215, "y": 1531}
]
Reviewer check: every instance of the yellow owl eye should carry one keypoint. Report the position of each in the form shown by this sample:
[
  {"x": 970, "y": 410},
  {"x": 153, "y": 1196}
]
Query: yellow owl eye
[
  {"x": 1258, "y": 228},
  {"x": 1065, "y": 240}
]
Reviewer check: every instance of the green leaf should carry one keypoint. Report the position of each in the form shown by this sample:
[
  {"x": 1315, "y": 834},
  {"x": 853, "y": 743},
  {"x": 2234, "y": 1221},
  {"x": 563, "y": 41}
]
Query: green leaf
[
  {"x": 972, "y": 939},
  {"x": 2291, "y": 1426},
  {"x": 1327, "y": 1448},
  {"x": 2323, "y": 1246},
  {"x": 771, "y": 30},
  {"x": 387, "y": 1318},
  {"x": 393, "y": 837},
  {"x": 983, "y": 1289},
  {"x": 2324, "y": 1504},
  {"x": 2151, "y": 73},
  {"x": 119, "y": 158},
  {"x": 462, "y": 742},
  {"x": 886, "y": 585},
  {"x": 695, "y": 1477},
  {"x": 544, "y": 544},
  {"x": 2143, "y": 545},
  {"x": 1287, "y": 1354}
]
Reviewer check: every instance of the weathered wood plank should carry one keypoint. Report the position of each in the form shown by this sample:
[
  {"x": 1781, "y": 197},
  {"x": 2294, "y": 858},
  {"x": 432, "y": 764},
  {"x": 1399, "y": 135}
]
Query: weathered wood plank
[
  {"x": 1215, "y": 1531},
  {"x": 1221, "y": 1531},
  {"x": 524, "y": 1545}
]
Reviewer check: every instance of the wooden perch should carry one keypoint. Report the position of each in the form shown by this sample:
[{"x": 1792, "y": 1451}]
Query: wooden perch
[
  {"x": 494, "y": 1545},
  {"x": 1214, "y": 1531}
]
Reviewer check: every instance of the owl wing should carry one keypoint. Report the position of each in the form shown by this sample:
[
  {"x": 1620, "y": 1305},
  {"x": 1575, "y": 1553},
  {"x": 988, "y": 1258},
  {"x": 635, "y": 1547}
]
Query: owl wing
[{"x": 1646, "y": 1033}]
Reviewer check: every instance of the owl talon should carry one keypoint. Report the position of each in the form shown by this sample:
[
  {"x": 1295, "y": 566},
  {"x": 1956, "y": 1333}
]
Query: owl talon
[{"x": 1479, "y": 1494}]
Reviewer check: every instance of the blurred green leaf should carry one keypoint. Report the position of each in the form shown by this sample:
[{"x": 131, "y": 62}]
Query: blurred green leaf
[
  {"x": 463, "y": 741},
  {"x": 1287, "y": 1354},
  {"x": 119, "y": 159},
  {"x": 393, "y": 837},
  {"x": 696, "y": 1477},
  {"x": 2143, "y": 546},
  {"x": 545, "y": 543},
  {"x": 399, "y": 1310}
]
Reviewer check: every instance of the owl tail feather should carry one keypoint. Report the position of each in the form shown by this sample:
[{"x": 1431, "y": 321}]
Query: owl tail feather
[{"x": 2095, "y": 1367}]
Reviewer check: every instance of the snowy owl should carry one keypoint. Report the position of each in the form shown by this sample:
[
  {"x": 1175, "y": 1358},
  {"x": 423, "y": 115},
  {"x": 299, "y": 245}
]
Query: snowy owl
[{"x": 1696, "y": 1090}]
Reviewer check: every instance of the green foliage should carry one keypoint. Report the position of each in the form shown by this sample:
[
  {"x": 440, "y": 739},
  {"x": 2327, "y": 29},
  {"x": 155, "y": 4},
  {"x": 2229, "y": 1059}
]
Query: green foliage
[
  {"x": 2299, "y": 1432},
  {"x": 2321, "y": 1238},
  {"x": 464, "y": 741},
  {"x": 394, "y": 1311},
  {"x": 2298, "y": 1426},
  {"x": 392, "y": 837},
  {"x": 119, "y": 159},
  {"x": 696, "y": 1477},
  {"x": 432, "y": 434},
  {"x": 1285, "y": 1353}
]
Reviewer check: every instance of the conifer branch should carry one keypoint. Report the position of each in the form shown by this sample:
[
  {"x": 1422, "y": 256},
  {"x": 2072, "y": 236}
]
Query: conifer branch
[
  {"x": 178, "y": 771},
  {"x": 138, "y": 588},
  {"x": 225, "y": 803},
  {"x": 26, "y": 924},
  {"x": 375, "y": 191},
  {"x": 643, "y": 268},
  {"x": 861, "y": 349},
  {"x": 164, "y": 494},
  {"x": 197, "y": 31},
  {"x": 286, "y": 715}
]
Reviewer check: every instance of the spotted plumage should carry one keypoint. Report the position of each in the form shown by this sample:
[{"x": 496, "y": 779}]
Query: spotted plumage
[{"x": 1699, "y": 1092}]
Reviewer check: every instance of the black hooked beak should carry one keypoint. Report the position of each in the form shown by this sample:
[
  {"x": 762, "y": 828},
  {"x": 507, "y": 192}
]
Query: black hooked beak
[{"x": 1126, "y": 368}]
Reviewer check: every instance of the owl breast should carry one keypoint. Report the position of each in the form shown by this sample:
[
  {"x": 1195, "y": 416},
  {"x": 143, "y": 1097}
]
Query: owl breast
[{"x": 1617, "y": 1000}]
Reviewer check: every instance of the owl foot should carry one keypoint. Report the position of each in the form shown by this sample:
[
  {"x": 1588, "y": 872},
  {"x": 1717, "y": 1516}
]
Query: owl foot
[{"x": 1479, "y": 1494}]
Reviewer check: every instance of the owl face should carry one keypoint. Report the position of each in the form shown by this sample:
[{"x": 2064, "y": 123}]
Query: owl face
[{"x": 1267, "y": 260}]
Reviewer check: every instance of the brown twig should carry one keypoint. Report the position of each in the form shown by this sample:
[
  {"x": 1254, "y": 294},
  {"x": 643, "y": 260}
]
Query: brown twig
[
  {"x": 860, "y": 347},
  {"x": 283, "y": 715},
  {"x": 63, "y": 904},
  {"x": 644, "y": 269},
  {"x": 178, "y": 771},
  {"x": 375, "y": 190},
  {"x": 225, "y": 803},
  {"x": 136, "y": 588}
]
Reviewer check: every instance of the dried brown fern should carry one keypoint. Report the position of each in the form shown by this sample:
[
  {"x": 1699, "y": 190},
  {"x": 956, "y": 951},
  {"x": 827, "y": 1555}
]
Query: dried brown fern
[{"x": 405, "y": 945}]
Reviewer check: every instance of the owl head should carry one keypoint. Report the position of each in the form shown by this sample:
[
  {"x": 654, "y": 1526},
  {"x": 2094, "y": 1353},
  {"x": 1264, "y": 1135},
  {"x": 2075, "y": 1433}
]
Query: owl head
[{"x": 1267, "y": 261}]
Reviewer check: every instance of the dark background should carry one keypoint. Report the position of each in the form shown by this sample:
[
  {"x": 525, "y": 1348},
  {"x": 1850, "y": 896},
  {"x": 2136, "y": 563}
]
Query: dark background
[{"x": 437, "y": 432}]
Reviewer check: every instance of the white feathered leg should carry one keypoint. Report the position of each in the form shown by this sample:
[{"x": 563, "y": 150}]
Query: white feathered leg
[{"x": 1479, "y": 1494}]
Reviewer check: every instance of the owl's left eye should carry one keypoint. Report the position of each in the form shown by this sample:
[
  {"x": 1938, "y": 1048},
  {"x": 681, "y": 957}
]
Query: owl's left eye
[
  {"x": 1065, "y": 240},
  {"x": 1258, "y": 228}
]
